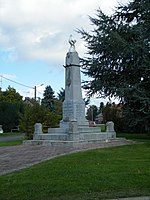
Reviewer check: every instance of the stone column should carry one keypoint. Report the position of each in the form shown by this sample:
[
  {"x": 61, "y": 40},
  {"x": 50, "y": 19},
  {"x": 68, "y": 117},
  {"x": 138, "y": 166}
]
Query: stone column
[
  {"x": 37, "y": 130},
  {"x": 73, "y": 106},
  {"x": 110, "y": 129}
]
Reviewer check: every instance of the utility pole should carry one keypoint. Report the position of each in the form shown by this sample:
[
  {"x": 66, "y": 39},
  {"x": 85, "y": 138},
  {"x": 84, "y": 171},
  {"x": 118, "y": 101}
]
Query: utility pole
[
  {"x": 35, "y": 90},
  {"x": 35, "y": 93},
  {"x": 1, "y": 83}
]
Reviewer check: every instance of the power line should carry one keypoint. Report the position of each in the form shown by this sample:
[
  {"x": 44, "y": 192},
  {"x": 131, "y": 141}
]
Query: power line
[{"x": 16, "y": 82}]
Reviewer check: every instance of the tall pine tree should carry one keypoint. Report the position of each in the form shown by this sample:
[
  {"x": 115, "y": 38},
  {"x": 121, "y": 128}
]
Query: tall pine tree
[
  {"x": 49, "y": 98},
  {"x": 119, "y": 60}
]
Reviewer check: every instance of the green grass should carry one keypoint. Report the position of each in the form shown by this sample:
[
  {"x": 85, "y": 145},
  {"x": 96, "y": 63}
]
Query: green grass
[
  {"x": 103, "y": 127},
  {"x": 96, "y": 174},
  {"x": 11, "y": 143},
  {"x": 135, "y": 136}
]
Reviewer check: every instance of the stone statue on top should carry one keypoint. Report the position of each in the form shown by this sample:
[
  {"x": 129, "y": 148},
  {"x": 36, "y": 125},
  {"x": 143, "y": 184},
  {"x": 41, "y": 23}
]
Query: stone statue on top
[{"x": 72, "y": 44}]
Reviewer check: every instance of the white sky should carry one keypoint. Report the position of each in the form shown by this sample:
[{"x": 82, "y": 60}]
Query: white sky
[{"x": 34, "y": 38}]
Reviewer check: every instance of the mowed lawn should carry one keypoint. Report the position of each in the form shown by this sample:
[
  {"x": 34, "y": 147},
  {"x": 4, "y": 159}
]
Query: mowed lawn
[{"x": 95, "y": 174}]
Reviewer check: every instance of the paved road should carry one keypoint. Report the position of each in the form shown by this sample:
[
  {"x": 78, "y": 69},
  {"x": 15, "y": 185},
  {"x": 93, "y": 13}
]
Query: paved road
[{"x": 11, "y": 137}]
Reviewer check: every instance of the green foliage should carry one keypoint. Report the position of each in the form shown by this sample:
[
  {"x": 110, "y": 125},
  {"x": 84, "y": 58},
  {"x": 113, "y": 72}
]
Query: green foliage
[
  {"x": 51, "y": 119},
  {"x": 10, "y": 114},
  {"x": 101, "y": 107},
  {"x": 10, "y": 95},
  {"x": 110, "y": 173},
  {"x": 36, "y": 114},
  {"x": 10, "y": 108},
  {"x": 119, "y": 59},
  {"x": 61, "y": 94},
  {"x": 113, "y": 112},
  {"x": 49, "y": 98},
  {"x": 51, "y": 102},
  {"x": 14, "y": 112},
  {"x": 102, "y": 127},
  {"x": 92, "y": 111}
]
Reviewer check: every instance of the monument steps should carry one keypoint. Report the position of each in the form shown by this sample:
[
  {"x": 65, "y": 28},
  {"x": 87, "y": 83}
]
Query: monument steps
[
  {"x": 79, "y": 136},
  {"x": 55, "y": 136},
  {"x": 92, "y": 136},
  {"x": 57, "y": 131},
  {"x": 89, "y": 130}
]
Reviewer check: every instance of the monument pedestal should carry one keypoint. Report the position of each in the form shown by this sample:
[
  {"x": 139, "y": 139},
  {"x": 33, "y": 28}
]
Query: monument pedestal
[{"x": 71, "y": 134}]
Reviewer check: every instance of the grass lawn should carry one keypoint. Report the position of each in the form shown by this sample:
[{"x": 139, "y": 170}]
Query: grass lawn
[
  {"x": 137, "y": 137},
  {"x": 11, "y": 143},
  {"x": 96, "y": 174},
  {"x": 16, "y": 141}
]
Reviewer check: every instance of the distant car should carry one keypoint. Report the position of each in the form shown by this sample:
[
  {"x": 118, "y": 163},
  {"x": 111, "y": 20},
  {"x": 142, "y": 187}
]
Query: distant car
[{"x": 92, "y": 124}]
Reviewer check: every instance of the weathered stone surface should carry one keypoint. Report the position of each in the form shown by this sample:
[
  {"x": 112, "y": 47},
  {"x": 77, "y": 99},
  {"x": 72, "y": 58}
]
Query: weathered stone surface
[
  {"x": 110, "y": 129},
  {"x": 73, "y": 106}
]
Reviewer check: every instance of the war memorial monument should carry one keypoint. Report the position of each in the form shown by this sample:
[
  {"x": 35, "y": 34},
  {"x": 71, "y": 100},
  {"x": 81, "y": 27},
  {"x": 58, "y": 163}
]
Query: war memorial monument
[{"x": 74, "y": 128}]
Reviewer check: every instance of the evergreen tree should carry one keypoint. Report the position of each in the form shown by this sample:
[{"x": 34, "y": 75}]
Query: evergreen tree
[
  {"x": 61, "y": 94},
  {"x": 119, "y": 59},
  {"x": 101, "y": 107},
  {"x": 49, "y": 98}
]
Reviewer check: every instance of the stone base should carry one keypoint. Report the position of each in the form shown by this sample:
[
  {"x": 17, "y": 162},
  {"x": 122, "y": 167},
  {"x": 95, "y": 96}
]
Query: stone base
[
  {"x": 73, "y": 134},
  {"x": 70, "y": 133},
  {"x": 77, "y": 144},
  {"x": 73, "y": 140}
]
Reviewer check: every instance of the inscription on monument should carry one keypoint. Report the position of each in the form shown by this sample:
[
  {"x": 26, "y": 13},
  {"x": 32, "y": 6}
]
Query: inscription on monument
[
  {"x": 67, "y": 110},
  {"x": 79, "y": 110}
]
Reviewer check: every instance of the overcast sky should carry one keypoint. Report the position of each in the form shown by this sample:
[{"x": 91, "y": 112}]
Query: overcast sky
[{"x": 34, "y": 39}]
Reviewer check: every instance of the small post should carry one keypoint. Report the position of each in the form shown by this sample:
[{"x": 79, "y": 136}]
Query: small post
[
  {"x": 110, "y": 130},
  {"x": 37, "y": 130}
]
